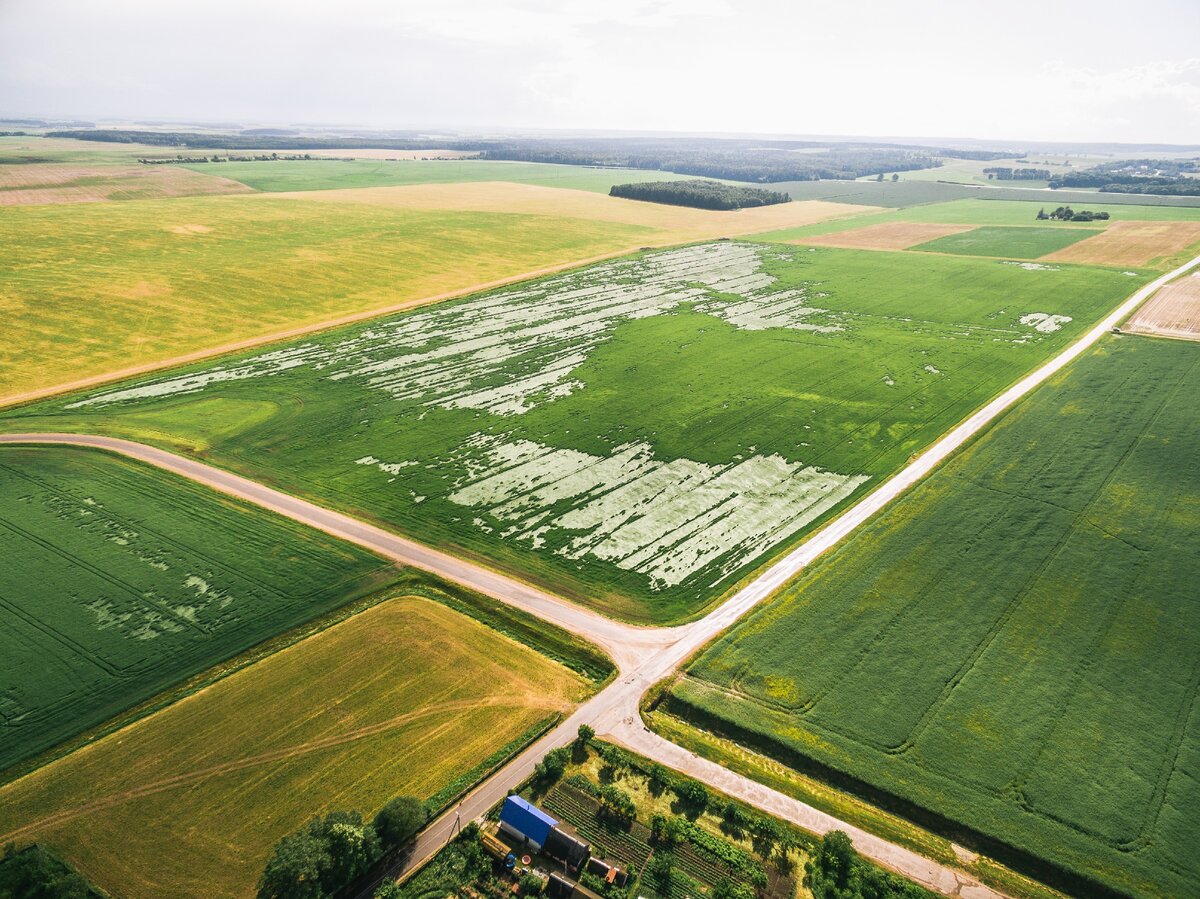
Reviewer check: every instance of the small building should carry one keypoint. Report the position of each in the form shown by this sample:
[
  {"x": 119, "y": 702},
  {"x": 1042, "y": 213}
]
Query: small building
[
  {"x": 606, "y": 872},
  {"x": 524, "y": 821},
  {"x": 559, "y": 887},
  {"x": 566, "y": 847}
]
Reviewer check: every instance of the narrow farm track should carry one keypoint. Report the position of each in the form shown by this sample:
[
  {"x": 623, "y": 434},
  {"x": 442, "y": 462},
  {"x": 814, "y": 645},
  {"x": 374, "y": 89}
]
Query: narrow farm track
[{"x": 643, "y": 655}]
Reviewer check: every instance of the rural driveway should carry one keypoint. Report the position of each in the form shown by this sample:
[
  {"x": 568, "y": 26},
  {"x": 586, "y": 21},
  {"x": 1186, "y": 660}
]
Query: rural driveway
[{"x": 643, "y": 655}]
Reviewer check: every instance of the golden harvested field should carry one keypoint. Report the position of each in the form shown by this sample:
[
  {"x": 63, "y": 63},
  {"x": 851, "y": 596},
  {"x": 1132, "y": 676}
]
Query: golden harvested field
[
  {"x": 885, "y": 236},
  {"x": 678, "y": 223},
  {"x": 38, "y": 183},
  {"x": 403, "y": 698},
  {"x": 1172, "y": 312},
  {"x": 1131, "y": 243}
]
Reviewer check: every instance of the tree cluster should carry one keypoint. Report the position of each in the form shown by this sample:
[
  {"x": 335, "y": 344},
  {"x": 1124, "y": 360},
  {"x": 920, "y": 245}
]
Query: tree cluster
[
  {"x": 1163, "y": 177},
  {"x": 837, "y": 872},
  {"x": 330, "y": 853},
  {"x": 35, "y": 873},
  {"x": 701, "y": 194},
  {"x": 1007, "y": 173},
  {"x": 1067, "y": 214}
]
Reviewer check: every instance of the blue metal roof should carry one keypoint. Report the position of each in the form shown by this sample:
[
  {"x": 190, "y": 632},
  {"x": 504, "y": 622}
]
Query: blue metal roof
[{"x": 527, "y": 819}]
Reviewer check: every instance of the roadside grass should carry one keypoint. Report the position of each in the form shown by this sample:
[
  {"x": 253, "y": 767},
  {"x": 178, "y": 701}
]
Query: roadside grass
[
  {"x": 1018, "y": 243},
  {"x": 1008, "y": 654},
  {"x": 143, "y": 281},
  {"x": 845, "y": 806},
  {"x": 903, "y": 347},
  {"x": 330, "y": 174},
  {"x": 405, "y": 697},
  {"x": 120, "y": 580}
]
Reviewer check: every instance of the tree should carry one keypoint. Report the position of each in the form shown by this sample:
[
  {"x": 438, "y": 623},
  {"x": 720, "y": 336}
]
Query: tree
[
  {"x": 530, "y": 884},
  {"x": 726, "y": 889},
  {"x": 657, "y": 779},
  {"x": 879, "y": 177},
  {"x": 399, "y": 820},
  {"x": 552, "y": 765},
  {"x": 585, "y": 733},
  {"x": 895, "y": 177},
  {"x": 661, "y": 872},
  {"x": 693, "y": 795},
  {"x": 320, "y": 858},
  {"x": 37, "y": 874},
  {"x": 616, "y": 806}
]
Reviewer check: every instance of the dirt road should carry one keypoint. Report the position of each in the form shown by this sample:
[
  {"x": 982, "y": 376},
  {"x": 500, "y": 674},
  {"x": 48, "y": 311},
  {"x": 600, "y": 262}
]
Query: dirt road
[{"x": 643, "y": 655}]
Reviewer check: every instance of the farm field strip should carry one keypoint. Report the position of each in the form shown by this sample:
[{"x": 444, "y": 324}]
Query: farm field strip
[
  {"x": 143, "y": 579},
  {"x": 405, "y": 697},
  {"x": 885, "y": 236},
  {"x": 1173, "y": 312},
  {"x": 1021, "y": 242},
  {"x": 22, "y": 185},
  {"x": 1132, "y": 243},
  {"x": 519, "y": 443},
  {"x": 1085, "y": 543}
]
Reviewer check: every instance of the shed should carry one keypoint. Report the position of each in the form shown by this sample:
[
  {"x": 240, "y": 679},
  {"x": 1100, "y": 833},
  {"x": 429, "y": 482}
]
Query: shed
[
  {"x": 525, "y": 821},
  {"x": 558, "y": 887},
  {"x": 566, "y": 847}
]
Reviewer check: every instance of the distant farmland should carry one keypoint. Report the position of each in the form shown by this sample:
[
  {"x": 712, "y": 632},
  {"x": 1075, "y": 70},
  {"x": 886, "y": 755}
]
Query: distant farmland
[
  {"x": 639, "y": 434},
  {"x": 1018, "y": 243},
  {"x": 1010, "y": 649},
  {"x": 406, "y": 697},
  {"x": 119, "y": 580}
]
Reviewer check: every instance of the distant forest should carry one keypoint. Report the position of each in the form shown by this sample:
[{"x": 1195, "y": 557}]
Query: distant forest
[
  {"x": 761, "y": 161},
  {"x": 1165, "y": 177},
  {"x": 700, "y": 193}
]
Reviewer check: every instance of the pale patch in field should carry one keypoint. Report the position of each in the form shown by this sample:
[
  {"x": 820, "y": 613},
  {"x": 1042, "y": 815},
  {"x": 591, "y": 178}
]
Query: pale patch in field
[
  {"x": 509, "y": 351},
  {"x": 886, "y": 235},
  {"x": 1032, "y": 266},
  {"x": 189, "y": 229},
  {"x": 668, "y": 520},
  {"x": 46, "y": 183},
  {"x": 1174, "y": 311},
  {"x": 1044, "y": 321}
]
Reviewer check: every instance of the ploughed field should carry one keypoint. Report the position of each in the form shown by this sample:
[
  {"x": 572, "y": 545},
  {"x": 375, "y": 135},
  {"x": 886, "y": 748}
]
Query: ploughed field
[
  {"x": 119, "y": 580},
  {"x": 407, "y": 697},
  {"x": 1010, "y": 650},
  {"x": 639, "y": 434}
]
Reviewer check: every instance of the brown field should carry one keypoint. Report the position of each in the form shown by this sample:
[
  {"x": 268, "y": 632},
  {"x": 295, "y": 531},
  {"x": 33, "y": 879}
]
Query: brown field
[
  {"x": 389, "y": 154},
  {"x": 1172, "y": 312},
  {"x": 676, "y": 223},
  {"x": 41, "y": 183},
  {"x": 885, "y": 236},
  {"x": 1131, "y": 243},
  {"x": 402, "y": 698}
]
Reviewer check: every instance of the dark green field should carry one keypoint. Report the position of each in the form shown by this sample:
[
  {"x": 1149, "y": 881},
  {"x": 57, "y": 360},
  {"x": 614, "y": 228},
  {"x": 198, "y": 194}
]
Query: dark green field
[
  {"x": 1014, "y": 243},
  {"x": 638, "y": 435},
  {"x": 1011, "y": 649},
  {"x": 119, "y": 580}
]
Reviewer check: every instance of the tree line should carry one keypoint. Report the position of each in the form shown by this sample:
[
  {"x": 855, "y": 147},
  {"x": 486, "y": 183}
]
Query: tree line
[
  {"x": 1067, "y": 214},
  {"x": 699, "y": 193}
]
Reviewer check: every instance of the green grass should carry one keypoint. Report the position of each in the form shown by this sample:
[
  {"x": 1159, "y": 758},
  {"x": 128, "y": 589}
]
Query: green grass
[
  {"x": 119, "y": 580},
  {"x": 1014, "y": 243},
  {"x": 1009, "y": 653},
  {"x": 330, "y": 174},
  {"x": 659, "y": 386},
  {"x": 143, "y": 281},
  {"x": 407, "y": 697}
]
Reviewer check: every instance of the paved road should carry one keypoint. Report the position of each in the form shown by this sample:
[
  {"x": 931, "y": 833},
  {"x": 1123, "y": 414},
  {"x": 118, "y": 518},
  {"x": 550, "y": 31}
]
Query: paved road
[{"x": 644, "y": 656}]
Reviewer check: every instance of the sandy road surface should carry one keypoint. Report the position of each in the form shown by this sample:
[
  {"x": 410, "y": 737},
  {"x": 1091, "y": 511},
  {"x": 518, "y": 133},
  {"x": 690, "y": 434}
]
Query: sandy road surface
[{"x": 643, "y": 655}]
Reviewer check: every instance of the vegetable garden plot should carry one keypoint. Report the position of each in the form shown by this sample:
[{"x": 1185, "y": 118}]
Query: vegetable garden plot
[
  {"x": 119, "y": 581},
  {"x": 637, "y": 434}
]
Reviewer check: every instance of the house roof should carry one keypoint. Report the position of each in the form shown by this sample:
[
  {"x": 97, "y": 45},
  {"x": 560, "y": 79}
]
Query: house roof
[{"x": 526, "y": 818}]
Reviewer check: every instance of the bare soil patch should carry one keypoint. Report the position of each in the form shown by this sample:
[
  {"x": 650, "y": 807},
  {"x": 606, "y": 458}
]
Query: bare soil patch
[
  {"x": 1172, "y": 312},
  {"x": 886, "y": 236},
  {"x": 1131, "y": 243},
  {"x": 42, "y": 183},
  {"x": 678, "y": 222}
]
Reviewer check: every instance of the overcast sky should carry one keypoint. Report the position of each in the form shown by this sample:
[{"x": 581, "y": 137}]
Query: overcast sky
[{"x": 1093, "y": 70}]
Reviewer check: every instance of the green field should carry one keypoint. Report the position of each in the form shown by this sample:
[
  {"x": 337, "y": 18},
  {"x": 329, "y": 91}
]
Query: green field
[
  {"x": 921, "y": 191},
  {"x": 1009, "y": 652},
  {"x": 330, "y": 174},
  {"x": 119, "y": 580},
  {"x": 142, "y": 281},
  {"x": 638, "y": 435},
  {"x": 1014, "y": 243},
  {"x": 407, "y": 697}
]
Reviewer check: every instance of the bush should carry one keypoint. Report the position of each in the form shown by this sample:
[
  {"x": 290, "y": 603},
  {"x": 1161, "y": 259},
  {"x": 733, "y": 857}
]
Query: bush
[
  {"x": 836, "y": 872},
  {"x": 399, "y": 820},
  {"x": 616, "y": 806},
  {"x": 530, "y": 884},
  {"x": 693, "y": 795}
]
